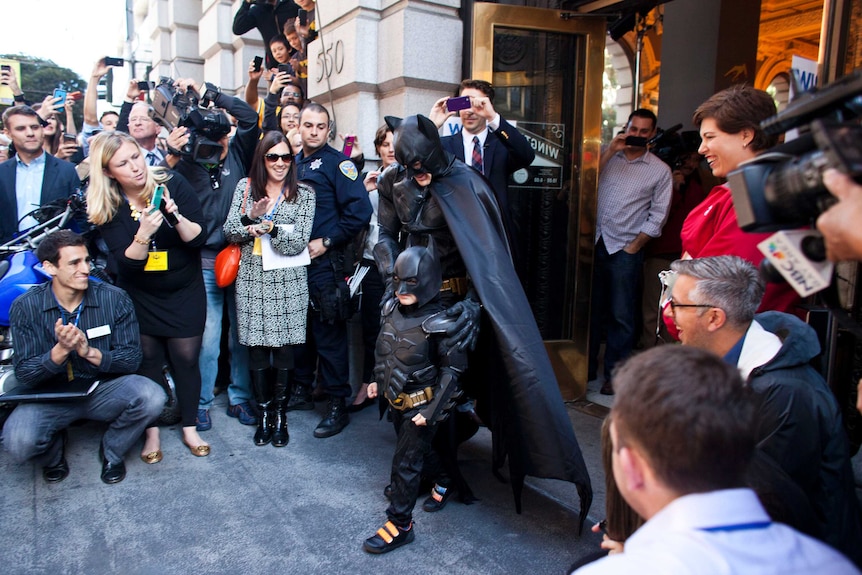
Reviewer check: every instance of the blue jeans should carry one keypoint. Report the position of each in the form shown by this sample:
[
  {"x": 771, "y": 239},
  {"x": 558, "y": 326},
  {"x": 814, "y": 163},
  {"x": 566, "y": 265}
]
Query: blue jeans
[
  {"x": 614, "y": 299},
  {"x": 239, "y": 390},
  {"x": 129, "y": 404}
]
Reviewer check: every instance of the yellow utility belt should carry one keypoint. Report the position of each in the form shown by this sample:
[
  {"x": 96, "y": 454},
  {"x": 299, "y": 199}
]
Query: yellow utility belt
[
  {"x": 404, "y": 401},
  {"x": 457, "y": 286}
]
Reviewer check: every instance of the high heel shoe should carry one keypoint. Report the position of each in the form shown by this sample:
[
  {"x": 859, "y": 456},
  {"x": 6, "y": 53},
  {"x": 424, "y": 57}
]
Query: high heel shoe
[
  {"x": 354, "y": 407},
  {"x": 152, "y": 457},
  {"x": 199, "y": 451}
]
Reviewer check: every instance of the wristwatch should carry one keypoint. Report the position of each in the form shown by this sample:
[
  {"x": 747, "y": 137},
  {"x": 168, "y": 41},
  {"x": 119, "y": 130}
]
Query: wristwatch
[{"x": 327, "y": 243}]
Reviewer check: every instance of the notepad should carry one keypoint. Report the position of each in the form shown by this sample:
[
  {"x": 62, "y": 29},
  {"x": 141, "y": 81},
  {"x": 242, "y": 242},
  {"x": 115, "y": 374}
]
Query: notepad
[{"x": 77, "y": 389}]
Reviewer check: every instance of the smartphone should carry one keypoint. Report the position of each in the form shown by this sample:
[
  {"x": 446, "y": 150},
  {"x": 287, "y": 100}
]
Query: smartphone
[
  {"x": 285, "y": 68},
  {"x": 159, "y": 202},
  {"x": 459, "y": 103},
  {"x": 348, "y": 145},
  {"x": 145, "y": 86},
  {"x": 157, "y": 197},
  {"x": 75, "y": 95},
  {"x": 58, "y": 93},
  {"x": 636, "y": 141},
  {"x": 258, "y": 62},
  {"x": 5, "y": 68},
  {"x": 303, "y": 18},
  {"x": 111, "y": 61},
  {"x": 70, "y": 138}
]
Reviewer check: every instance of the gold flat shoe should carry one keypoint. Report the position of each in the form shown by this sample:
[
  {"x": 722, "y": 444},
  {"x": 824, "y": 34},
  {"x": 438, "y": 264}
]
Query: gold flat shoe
[
  {"x": 199, "y": 451},
  {"x": 152, "y": 457}
]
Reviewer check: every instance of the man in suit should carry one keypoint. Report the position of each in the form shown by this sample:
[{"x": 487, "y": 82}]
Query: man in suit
[
  {"x": 487, "y": 142},
  {"x": 32, "y": 178}
]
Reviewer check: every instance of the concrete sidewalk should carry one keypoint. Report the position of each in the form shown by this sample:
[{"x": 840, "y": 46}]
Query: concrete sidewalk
[{"x": 304, "y": 508}]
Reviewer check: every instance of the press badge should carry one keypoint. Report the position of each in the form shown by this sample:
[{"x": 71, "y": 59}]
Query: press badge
[
  {"x": 157, "y": 261},
  {"x": 100, "y": 331},
  {"x": 257, "y": 250}
]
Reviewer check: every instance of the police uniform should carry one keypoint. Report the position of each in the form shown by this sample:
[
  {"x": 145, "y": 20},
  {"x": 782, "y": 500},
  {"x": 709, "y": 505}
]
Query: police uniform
[{"x": 342, "y": 210}]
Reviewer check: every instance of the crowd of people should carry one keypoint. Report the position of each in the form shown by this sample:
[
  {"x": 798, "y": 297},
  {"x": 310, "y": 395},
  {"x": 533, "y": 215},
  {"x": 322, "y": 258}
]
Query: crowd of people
[{"x": 728, "y": 438}]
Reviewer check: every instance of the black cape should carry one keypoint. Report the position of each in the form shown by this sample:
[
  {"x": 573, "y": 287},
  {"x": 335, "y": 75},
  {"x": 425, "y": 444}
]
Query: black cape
[{"x": 523, "y": 405}]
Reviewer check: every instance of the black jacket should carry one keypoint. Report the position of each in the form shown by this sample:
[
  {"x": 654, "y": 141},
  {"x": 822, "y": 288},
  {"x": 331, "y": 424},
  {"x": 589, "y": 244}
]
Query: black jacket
[
  {"x": 800, "y": 427},
  {"x": 216, "y": 192},
  {"x": 268, "y": 20},
  {"x": 60, "y": 180}
]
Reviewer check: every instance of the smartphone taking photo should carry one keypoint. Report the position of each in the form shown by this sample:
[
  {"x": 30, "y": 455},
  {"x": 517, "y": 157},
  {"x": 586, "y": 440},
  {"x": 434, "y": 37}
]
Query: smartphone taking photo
[
  {"x": 258, "y": 62},
  {"x": 112, "y": 61},
  {"x": 459, "y": 103},
  {"x": 61, "y": 94},
  {"x": 348, "y": 145}
]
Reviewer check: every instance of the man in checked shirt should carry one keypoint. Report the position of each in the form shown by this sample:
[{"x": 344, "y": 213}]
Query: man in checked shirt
[{"x": 635, "y": 189}]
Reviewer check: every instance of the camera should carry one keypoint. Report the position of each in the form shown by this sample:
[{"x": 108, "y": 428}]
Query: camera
[
  {"x": 172, "y": 108},
  {"x": 782, "y": 188},
  {"x": 672, "y": 146},
  {"x": 636, "y": 141}
]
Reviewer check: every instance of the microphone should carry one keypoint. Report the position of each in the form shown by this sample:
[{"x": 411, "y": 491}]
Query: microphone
[{"x": 799, "y": 256}]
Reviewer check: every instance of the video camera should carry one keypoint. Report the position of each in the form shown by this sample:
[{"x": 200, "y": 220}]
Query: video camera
[
  {"x": 783, "y": 187},
  {"x": 672, "y": 146},
  {"x": 172, "y": 108}
]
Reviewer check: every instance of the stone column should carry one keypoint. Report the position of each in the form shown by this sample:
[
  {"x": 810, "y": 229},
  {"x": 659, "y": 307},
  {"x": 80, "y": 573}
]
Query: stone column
[
  {"x": 707, "y": 45},
  {"x": 386, "y": 57}
]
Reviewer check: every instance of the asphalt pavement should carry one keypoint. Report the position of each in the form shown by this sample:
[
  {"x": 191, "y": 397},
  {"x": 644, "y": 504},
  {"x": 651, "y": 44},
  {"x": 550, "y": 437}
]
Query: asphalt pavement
[{"x": 304, "y": 508}]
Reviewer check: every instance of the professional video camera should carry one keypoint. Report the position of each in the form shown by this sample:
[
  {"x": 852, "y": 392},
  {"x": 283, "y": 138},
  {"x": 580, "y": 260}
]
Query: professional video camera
[
  {"x": 783, "y": 187},
  {"x": 172, "y": 108}
]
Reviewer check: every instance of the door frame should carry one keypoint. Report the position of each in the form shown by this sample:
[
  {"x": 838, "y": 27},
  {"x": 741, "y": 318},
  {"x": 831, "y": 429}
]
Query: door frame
[{"x": 568, "y": 356}]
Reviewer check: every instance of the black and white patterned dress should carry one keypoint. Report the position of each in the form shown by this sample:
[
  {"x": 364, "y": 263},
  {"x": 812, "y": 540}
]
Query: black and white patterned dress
[{"x": 271, "y": 306}]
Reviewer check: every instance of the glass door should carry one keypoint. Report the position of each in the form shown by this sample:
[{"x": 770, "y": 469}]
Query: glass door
[{"x": 546, "y": 68}]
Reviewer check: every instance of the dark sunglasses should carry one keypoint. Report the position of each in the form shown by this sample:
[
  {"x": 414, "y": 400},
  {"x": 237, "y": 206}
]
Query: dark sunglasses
[
  {"x": 286, "y": 158},
  {"x": 294, "y": 94}
]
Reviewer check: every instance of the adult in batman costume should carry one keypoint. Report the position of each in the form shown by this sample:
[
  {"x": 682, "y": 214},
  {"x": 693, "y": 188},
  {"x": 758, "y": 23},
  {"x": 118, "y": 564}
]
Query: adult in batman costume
[{"x": 510, "y": 374}]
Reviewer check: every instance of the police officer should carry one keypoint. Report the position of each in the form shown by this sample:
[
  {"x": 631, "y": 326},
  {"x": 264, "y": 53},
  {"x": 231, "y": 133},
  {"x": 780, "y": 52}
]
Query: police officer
[{"x": 342, "y": 210}]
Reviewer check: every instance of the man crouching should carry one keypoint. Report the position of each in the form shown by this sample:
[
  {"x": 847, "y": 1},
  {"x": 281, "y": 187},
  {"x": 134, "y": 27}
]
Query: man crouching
[{"x": 71, "y": 330}]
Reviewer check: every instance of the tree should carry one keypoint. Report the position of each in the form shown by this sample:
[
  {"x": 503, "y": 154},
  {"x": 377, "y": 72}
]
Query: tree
[{"x": 39, "y": 77}]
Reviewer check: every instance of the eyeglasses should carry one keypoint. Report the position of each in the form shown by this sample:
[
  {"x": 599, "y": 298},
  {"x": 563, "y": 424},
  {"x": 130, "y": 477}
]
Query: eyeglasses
[
  {"x": 674, "y": 305},
  {"x": 141, "y": 119},
  {"x": 293, "y": 94},
  {"x": 286, "y": 158}
]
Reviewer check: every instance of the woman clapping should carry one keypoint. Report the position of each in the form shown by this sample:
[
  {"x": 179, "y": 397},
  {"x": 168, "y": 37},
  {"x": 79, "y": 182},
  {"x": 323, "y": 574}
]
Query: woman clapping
[{"x": 271, "y": 216}]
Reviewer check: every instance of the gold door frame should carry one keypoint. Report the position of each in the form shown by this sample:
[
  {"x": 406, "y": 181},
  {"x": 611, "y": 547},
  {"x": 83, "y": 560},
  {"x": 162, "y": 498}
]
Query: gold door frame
[{"x": 569, "y": 357}]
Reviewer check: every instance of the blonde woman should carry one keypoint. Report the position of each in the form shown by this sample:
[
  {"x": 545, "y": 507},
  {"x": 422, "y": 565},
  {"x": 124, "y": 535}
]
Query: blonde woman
[{"x": 157, "y": 254}]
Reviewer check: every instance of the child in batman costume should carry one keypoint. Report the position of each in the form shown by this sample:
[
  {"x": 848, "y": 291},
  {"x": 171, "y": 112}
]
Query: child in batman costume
[
  {"x": 432, "y": 195},
  {"x": 417, "y": 373}
]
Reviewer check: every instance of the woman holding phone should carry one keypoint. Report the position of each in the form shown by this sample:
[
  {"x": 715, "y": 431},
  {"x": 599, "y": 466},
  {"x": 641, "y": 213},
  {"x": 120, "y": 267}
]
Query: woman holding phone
[
  {"x": 150, "y": 220},
  {"x": 271, "y": 214}
]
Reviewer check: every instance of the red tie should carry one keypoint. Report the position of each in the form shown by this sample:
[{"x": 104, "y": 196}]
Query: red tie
[{"x": 477, "y": 156}]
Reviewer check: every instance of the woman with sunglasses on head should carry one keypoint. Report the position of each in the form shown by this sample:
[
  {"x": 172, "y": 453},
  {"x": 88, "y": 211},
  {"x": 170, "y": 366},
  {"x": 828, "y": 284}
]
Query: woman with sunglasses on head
[
  {"x": 156, "y": 246},
  {"x": 271, "y": 213}
]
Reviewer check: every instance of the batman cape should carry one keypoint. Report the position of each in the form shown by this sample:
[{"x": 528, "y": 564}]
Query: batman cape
[{"x": 518, "y": 396}]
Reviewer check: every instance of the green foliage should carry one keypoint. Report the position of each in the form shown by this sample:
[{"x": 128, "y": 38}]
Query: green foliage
[{"x": 39, "y": 78}]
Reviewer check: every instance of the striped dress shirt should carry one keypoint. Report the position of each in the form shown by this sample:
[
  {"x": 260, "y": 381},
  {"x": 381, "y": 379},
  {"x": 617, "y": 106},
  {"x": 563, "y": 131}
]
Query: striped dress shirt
[{"x": 107, "y": 316}]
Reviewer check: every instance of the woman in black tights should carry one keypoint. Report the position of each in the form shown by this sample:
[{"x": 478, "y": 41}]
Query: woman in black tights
[{"x": 157, "y": 254}]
